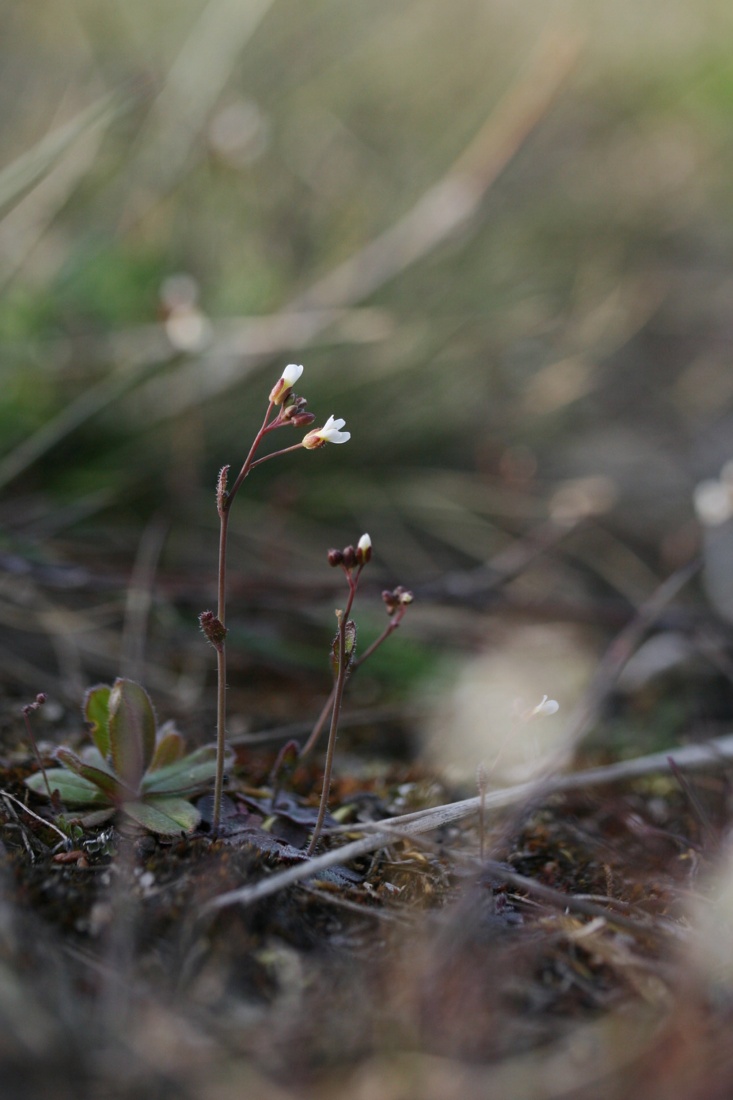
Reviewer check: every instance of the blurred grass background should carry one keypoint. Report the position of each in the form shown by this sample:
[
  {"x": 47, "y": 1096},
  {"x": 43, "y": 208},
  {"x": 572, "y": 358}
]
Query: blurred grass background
[{"x": 497, "y": 236}]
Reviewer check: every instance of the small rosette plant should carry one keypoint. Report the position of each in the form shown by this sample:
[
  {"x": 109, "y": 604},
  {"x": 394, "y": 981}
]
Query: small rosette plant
[{"x": 133, "y": 767}]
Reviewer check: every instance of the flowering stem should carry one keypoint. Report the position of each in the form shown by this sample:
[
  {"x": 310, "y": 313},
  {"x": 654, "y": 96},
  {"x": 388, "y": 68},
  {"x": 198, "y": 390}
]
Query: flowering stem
[
  {"x": 221, "y": 660},
  {"x": 391, "y": 626},
  {"x": 275, "y": 454},
  {"x": 338, "y": 694},
  {"x": 27, "y": 711}
]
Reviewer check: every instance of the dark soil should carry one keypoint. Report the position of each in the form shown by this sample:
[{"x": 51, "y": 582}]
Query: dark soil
[{"x": 417, "y": 971}]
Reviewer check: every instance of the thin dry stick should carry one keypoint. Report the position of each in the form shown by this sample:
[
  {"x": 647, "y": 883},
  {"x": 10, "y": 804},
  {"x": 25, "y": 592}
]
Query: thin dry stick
[
  {"x": 689, "y": 758},
  {"x": 139, "y": 598},
  {"x": 621, "y": 648},
  {"x": 90, "y": 402}
]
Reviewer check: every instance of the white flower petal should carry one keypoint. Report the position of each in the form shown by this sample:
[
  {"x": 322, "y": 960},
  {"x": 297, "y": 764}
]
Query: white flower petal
[{"x": 292, "y": 373}]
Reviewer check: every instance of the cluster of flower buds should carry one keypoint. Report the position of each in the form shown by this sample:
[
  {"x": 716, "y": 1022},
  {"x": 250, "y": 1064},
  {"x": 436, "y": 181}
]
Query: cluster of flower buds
[
  {"x": 39, "y": 701},
  {"x": 349, "y": 558},
  {"x": 294, "y": 412},
  {"x": 213, "y": 629},
  {"x": 397, "y": 598}
]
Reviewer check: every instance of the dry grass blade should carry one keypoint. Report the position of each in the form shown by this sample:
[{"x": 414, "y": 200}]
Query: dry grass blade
[
  {"x": 32, "y": 165},
  {"x": 440, "y": 211},
  {"x": 90, "y": 402},
  {"x": 450, "y": 202},
  {"x": 194, "y": 83},
  {"x": 688, "y": 758},
  {"x": 23, "y": 227}
]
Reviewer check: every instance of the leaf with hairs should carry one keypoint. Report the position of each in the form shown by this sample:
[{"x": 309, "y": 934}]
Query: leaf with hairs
[
  {"x": 132, "y": 730},
  {"x": 113, "y": 788},
  {"x": 194, "y": 773}
]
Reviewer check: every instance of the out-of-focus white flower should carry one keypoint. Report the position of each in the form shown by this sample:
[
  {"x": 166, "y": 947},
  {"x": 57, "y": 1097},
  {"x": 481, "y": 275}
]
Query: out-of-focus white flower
[
  {"x": 544, "y": 707},
  {"x": 329, "y": 433},
  {"x": 713, "y": 502},
  {"x": 290, "y": 376}
]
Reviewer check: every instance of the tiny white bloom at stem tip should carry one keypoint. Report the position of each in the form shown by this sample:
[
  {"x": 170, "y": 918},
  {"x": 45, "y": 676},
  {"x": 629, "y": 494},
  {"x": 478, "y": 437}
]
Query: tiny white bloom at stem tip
[
  {"x": 364, "y": 543},
  {"x": 290, "y": 376},
  {"x": 546, "y": 706},
  {"x": 329, "y": 433}
]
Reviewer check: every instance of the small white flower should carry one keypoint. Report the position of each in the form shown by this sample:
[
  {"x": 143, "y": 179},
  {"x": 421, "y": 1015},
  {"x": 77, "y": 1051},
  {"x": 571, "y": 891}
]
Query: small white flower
[
  {"x": 329, "y": 433},
  {"x": 290, "y": 376},
  {"x": 545, "y": 706}
]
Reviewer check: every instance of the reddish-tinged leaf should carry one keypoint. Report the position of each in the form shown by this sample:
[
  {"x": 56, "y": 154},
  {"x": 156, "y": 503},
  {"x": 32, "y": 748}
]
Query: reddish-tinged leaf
[{"x": 132, "y": 729}]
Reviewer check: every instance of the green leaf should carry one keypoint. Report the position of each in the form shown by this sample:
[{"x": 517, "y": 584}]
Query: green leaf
[
  {"x": 165, "y": 816},
  {"x": 169, "y": 747},
  {"x": 72, "y": 788},
  {"x": 132, "y": 730},
  {"x": 110, "y": 784},
  {"x": 90, "y": 754},
  {"x": 194, "y": 773},
  {"x": 96, "y": 712}
]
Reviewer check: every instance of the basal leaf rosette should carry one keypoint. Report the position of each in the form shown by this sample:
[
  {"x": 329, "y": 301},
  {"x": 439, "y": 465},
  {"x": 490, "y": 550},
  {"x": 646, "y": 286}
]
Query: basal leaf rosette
[{"x": 132, "y": 767}]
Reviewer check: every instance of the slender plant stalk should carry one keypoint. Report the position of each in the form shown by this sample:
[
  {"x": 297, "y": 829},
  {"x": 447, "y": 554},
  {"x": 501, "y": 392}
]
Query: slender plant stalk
[
  {"x": 27, "y": 711},
  {"x": 391, "y": 626},
  {"x": 225, "y": 505},
  {"x": 338, "y": 695}
]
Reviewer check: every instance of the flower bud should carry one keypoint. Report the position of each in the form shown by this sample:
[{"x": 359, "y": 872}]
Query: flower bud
[
  {"x": 335, "y": 557},
  {"x": 300, "y": 419},
  {"x": 398, "y": 597},
  {"x": 213, "y": 629},
  {"x": 221, "y": 489},
  {"x": 350, "y": 558},
  {"x": 290, "y": 376},
  {"x": 363, "y": 550}
]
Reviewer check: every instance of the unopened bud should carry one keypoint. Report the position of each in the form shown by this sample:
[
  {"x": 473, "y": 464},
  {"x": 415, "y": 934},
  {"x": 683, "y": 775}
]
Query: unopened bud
[
  {"x": 301, "y": 419},
  {"x": 335, "y": 557},
  {"x": 350, "y": 558},
  {"x": 221, "y": 489},
  {"x": 363, "y": 550},
  {"x": 290, "y": 376},
  {"x": 398, "y": 597},
  {"x": 213, "y": 629},
  {"x": 349, "y": 646}
]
